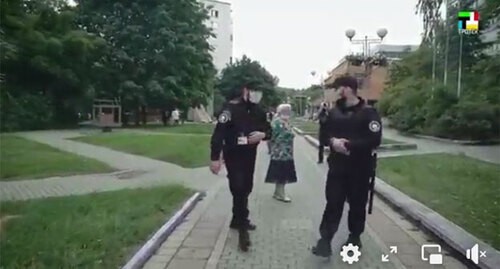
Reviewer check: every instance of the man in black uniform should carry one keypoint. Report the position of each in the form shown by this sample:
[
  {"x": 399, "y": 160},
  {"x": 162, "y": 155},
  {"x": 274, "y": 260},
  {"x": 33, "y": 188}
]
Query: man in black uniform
[
  {"x": 322, "y": 135},
  {"x": 354, "y": 130},
  {"x": 270, "y": 116},
  {"x": 241, "y": 125}
]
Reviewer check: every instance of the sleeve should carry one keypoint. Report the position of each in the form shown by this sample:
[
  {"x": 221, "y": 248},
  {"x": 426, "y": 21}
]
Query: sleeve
[
  {"x": 276, "y": 130},
  {"x": 372, "y": 137},
  {"x": 217, "y": 140}
]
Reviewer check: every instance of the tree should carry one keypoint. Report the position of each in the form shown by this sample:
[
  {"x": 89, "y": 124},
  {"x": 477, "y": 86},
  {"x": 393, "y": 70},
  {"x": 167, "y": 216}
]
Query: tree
[
  {"x": 159, "y": 55},
  {"x": 247, "y": 72},
  {"x": 46, "y": 65}
]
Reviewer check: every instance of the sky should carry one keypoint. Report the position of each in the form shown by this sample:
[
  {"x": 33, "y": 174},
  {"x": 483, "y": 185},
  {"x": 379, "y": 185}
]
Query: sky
[{"x": 292, "y": 38}]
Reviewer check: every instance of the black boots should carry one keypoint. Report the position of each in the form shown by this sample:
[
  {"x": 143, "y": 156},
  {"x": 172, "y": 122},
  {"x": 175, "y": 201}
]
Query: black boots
[
  {"x": 322, "y": 248},
  {"x": 248, "y": 225},
  {"x": 355, "y": 240},
  {"x": 244, "y": 240}
]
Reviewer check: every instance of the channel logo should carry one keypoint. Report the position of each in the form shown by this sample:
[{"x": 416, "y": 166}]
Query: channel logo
[{"x": 468, "y": 22}]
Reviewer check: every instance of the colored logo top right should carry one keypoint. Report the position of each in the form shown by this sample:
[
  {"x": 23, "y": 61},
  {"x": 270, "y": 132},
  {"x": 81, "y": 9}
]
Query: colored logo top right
[{"x": 468, "y": 22}]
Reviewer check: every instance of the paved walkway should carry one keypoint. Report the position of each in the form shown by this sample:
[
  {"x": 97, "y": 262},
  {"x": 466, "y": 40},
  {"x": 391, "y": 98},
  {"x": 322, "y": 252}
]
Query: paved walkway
[
  {"x": 134, "y": 172},
  {"x": 286, "y": 231},
  {"x": 489, "y": 153}
]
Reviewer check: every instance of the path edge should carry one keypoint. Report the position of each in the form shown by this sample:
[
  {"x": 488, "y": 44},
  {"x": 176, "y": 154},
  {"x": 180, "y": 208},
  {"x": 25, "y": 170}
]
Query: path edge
[
  {"x": 151, "y": 246},
  {"x": 452, "y": 234}
]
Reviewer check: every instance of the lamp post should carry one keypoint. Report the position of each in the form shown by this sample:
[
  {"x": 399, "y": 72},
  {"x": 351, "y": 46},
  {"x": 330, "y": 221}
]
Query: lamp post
[{"x": 366, "y": 42}]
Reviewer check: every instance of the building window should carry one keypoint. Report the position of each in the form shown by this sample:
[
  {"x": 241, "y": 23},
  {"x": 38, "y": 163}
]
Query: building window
[
  {"x": 230, "y": 60},
  {"x": 214, "y": 13},
  {"x": 231, "y": 37}
]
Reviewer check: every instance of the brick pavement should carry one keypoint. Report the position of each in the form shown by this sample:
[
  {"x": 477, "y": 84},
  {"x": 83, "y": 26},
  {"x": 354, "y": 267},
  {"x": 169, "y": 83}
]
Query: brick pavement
[{"x": 286, "y": 231}]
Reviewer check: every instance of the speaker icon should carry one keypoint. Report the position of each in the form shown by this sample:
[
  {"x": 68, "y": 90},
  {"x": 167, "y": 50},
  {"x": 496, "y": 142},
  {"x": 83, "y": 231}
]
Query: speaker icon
[{"x": 474, "y": 254}]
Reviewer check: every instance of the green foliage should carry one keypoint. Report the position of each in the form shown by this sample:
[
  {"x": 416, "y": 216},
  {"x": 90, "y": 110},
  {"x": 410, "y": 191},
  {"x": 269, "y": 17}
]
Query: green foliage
[
  {"x": 56, "y": 59},
  {"x": 414, "y": 104},
  {"x": 247, "y": 72}
]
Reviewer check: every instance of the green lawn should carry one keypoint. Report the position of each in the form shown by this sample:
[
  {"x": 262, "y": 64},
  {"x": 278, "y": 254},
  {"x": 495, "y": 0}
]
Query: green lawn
[
  {"x": 91, "y": 231},
  {"x": 195, "y": 128},
  {"x": 188, "y": 151},
  {"x": 21, "y": 158},
  {"x": 462, "y": 189}
]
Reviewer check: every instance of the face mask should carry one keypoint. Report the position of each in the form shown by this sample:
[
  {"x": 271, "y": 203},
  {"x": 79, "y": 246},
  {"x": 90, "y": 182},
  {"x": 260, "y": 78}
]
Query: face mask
[{"x": 254, "y": 97}]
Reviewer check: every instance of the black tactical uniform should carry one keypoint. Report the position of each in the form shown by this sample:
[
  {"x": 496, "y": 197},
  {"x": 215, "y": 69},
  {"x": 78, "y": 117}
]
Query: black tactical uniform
[
  {"x": 348, "y": 175},
  {"x": 235, "y": 123},
  {"x": 322, "y": 135}
]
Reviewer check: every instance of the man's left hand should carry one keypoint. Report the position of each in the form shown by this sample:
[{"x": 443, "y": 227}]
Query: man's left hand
[{"x": 256, "y": 137}]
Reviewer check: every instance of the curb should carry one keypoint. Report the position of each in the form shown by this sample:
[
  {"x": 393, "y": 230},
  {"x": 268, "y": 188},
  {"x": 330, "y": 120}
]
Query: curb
[
  {"x": 149, "y": 248},
  {"x": 387, "y": 147},
  {"x": 459, "y": 142},
  {"x": 449, "y": 232}
]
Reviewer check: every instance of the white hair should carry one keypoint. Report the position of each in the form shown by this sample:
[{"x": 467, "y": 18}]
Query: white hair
[{"x": 284, "y": 107}]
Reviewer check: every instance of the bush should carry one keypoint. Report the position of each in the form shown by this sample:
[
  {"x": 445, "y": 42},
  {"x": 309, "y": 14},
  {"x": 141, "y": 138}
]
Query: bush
[
  {"x": 469, "y": 120},
  {"x": 27, "y": 112}
]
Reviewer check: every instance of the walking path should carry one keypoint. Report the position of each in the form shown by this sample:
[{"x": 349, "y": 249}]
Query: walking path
[
  {"x": 490, "y": 153},
  {"x": 286, "y": 231},
  {"x": 135, "y": 171}
]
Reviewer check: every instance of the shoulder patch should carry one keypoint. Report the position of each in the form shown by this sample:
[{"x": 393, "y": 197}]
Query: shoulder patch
[
  {"x": 224, "y": 117},
  {"x": 374, "y": 126}
]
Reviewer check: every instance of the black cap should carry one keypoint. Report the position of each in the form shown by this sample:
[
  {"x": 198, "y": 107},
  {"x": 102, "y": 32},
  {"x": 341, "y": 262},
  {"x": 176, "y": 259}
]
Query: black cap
[{"x": 346, "y": 81}]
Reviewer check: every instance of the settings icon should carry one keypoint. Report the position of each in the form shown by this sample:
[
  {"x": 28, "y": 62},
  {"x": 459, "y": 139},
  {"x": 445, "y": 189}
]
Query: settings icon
[{"x": 350, "y": 249}]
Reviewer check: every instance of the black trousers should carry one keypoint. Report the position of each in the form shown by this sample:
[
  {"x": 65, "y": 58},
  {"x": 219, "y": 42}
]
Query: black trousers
[
  {"x": 240, "y": 165},
  {"x": 345, "y": 183},
  {"x": 321, "y": 152}
]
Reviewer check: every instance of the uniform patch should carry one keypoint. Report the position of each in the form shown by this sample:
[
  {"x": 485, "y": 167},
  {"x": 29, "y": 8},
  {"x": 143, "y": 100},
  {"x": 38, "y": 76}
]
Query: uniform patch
[
  {"x": 224, "y": 117},
  {"x": 374, "y": 126}
]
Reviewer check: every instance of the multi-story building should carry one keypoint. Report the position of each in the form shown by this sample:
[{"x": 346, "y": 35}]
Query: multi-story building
[
  {"x": 371, "y": 78},
  {"x": 221, "y": 23}
]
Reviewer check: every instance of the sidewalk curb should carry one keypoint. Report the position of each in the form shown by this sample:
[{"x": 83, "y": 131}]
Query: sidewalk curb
[
  {"x": 449, "y": 232},
  {"x": 388, "y": 147},
  {"x": 151, "y": 246},
  {"x": 459, "y": 142}
]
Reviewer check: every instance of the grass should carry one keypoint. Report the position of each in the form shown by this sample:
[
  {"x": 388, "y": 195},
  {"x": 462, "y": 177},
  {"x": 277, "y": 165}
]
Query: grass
[
  {"x": 21, "y": 158},
  {"x": 187, "y": 151},
  {"x": 195, "y": 128},
  {"x": 91, "y": 231},
  {"x": 312, "y": 128},
  {"x": 462, "y": 189}
]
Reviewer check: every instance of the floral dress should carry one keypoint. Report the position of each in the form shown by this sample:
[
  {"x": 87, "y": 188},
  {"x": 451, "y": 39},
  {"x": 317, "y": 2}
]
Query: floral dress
[{"x": 282, "y": 167}]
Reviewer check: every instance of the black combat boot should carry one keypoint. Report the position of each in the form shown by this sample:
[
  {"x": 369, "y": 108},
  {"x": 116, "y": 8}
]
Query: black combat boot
[
  {"x": 244, "y": 240},
  {"x": 322, "y": 248},
  {"x": 355, "y": 240},
  {"x": 248, "y": 225}
]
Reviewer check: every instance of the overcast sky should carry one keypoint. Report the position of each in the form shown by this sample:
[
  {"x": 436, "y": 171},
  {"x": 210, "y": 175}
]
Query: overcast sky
[{"x": 291, "y": 38}]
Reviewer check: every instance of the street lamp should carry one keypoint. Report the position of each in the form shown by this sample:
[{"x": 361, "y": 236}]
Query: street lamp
[{"x": 366, "y": 42}]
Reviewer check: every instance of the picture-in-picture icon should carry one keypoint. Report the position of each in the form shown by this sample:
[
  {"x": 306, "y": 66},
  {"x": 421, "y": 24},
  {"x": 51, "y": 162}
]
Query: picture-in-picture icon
[{"x": 433, "y": 258}]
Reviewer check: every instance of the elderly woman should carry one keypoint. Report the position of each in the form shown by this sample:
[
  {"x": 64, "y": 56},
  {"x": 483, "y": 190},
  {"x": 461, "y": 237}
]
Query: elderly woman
[{"x": 281, "y": 168}]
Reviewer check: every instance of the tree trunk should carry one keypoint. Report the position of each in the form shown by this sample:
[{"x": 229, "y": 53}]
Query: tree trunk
[
  {"x": 137, "y": 116},
  {"x": 144, "y": 115}
]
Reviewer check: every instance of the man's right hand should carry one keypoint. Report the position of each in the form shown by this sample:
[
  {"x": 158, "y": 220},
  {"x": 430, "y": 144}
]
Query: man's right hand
[
  {"x": 215, "y": 167},
  {"x": 338, "y": 145}
]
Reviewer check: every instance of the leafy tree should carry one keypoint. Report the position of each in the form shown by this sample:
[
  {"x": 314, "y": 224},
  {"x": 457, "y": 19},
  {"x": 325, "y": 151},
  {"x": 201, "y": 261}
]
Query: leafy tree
[
  {"x": 245, "y": 71},
  {"x": 159, "y": 54},
  {"x": 46, "y": 64}
]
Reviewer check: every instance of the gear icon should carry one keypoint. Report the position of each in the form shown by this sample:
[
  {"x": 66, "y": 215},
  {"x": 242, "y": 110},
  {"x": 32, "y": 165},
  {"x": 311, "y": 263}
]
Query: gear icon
[{"x": 355, "y": 253}]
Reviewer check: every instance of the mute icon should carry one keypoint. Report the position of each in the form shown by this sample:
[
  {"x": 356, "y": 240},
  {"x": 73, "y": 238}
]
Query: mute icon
[{"x": 474, "y": 254}]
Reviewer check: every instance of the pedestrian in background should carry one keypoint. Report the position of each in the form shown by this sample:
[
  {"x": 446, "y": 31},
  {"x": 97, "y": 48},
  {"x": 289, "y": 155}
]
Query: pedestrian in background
[
  {"x": 322, "y": 134},
  {"x": 281, "y": 169}
]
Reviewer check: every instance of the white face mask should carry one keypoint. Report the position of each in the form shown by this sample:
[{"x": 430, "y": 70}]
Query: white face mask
[{"x": 254, "y": 97}]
